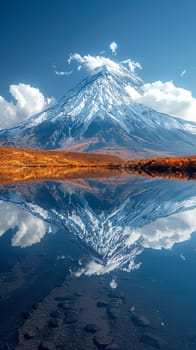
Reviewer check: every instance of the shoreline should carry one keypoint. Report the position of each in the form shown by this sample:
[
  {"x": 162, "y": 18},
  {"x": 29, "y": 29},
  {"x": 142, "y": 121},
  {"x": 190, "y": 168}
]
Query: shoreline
[{"x": 22, "y": 165}]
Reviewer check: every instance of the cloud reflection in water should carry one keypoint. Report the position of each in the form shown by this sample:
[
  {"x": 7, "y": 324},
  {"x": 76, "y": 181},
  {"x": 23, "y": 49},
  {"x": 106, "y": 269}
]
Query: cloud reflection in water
[{"x": 115, "y": 219}]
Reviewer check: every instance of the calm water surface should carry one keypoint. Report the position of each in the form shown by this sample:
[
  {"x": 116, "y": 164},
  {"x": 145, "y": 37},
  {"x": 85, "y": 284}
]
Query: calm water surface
[{"x": 117, "y": 253}]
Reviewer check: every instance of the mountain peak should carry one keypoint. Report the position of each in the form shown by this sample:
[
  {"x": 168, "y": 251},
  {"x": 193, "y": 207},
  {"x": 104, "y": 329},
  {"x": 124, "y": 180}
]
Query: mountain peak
[
  {"x": 117, "y": 71},
  {"x": 99, "y": 114},
  {"x": 105, "y": 86}
]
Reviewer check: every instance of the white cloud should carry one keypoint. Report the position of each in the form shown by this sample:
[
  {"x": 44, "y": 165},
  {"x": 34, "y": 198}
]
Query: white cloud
[
  {"x": 92, "y": 63},
  {"x": 166, "y": 231},
  {"x": 132, "y": 65},
  {"x": 57, "y": 72},
  {"x": 95, "y": 268},
  {"x": 27, "y": 101},
  {"x": 167, "y": 98},
  {"x": 113, "y": 47},
  {"x": 183, "y": 73},
  {"x": 30, "y": 229}
]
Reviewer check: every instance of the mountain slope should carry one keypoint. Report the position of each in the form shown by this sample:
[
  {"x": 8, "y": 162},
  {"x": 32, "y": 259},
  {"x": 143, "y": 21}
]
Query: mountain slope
[{"x": 99, "y": 116}]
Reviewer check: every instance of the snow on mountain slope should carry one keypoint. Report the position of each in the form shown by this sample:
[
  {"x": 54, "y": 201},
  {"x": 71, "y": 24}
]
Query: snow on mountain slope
[
  {"x": 115, "y": 221},
  {"x": 99, "y": 115}
]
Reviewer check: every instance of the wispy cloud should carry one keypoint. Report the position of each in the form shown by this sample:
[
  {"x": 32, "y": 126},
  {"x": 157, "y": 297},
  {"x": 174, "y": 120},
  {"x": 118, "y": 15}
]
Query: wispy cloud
[
  {"x": 63, "y": 73},
  {"x": 113, "y": 47},
  {"x": 93, "y": 62},
  {"x": 102, "y": 52},
  {"x": 132, "y": 64},
  {"x": 183, "y": 72}
]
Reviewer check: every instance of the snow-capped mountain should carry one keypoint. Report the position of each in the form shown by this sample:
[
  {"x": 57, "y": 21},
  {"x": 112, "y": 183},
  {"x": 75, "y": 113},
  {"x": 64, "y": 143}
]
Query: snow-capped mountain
[
  {"x": 113, "y": 219},
  {"x": 99, "y": 115}
]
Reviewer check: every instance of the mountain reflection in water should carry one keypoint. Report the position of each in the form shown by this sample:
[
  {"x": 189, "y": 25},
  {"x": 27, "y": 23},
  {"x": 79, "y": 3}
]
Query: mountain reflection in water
[
  {"x": 115, "y": 217},
  {"x": 113, "y": 220}
]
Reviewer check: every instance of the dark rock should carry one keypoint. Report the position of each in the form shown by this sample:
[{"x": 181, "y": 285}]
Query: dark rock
[
  {"x": 64, "y": 305},
  {"x": 46, "y": 345},
  {"x": 151, "y": 340},
  {"x": 118, "y": 301},
  {"x": 140, "y": 320},
  {"x": 53, "y": 323},
  {"x": 29, "y": 334},
  {"x": 102, "y": 303},
  {"x": 113, "y": 347},
  {"x": 70, "y": 317},
  {"x": 102, "y": 341},
  {"x": 55, "y": 314},
  {"x": 70, "y": 320},
  {"x": 77, "y": 294},
  {"x": 61, "y": 305},
  {"x": 91, "y": 328},
  {"x": 25, "y": 315},
  {"x": 112, "y": 312}
]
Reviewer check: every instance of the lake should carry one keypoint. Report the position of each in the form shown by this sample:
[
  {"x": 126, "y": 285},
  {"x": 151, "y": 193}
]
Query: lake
[{"x": 98, "y": 263}]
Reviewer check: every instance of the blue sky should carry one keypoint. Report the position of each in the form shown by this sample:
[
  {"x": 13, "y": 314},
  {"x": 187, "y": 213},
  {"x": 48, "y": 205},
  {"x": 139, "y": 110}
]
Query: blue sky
[{"x": 35, "y": 35}]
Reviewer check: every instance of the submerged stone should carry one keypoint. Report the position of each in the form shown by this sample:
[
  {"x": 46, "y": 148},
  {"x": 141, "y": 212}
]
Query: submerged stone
[
  {"x": 91, "y": 328},
  {"x": 102, "y": 303},
  {"x": 140, "y": 320},
  {"x": 53, "y": 323},
  {"x": 46, "y": 345},
  {"x": 102, "y": 341},
  {"x": 112, "y": 312},
  {"x": 113, "y": 347},
  {"x": 55, "y": 314},
  {"x": 29, "y": 334}
]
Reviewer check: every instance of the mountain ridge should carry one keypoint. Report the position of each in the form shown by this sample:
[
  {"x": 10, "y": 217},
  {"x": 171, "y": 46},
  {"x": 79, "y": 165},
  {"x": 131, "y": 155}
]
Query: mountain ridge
[{"x": 99, "y": 115}]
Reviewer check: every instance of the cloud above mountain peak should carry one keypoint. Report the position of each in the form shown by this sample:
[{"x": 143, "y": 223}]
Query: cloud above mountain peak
[{"x": 91, "y": 63}]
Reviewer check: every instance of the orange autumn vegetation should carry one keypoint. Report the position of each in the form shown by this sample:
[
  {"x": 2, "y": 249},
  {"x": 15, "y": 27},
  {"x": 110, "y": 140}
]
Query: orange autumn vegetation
[
  {"x": 181, "y": 167},
  {"x": 21, "y": 157},
  {"x": 19, "y": 165}
]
